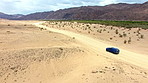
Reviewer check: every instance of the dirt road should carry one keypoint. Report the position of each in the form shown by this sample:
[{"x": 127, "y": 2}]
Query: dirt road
[{"x": 97, "y": 46}]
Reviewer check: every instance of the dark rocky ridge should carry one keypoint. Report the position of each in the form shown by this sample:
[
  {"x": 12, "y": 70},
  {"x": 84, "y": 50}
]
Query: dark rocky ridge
[{"x": 120, "y": 11}]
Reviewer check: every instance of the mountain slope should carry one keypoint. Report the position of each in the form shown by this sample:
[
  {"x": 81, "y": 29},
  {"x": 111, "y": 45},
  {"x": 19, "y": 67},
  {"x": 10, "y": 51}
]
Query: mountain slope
[
  {"x": 6, "y": 16},
  {"x": 120, "y": 11},
  {"x": 35, "y": 16}
]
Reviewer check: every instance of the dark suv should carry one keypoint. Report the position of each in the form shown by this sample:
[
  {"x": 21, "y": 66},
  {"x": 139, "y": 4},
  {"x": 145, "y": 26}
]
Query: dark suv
[{"x": 113, "y": 50}]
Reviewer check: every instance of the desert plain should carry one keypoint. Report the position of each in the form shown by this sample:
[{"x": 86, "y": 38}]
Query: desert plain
[{"x": 71, "y": 52}]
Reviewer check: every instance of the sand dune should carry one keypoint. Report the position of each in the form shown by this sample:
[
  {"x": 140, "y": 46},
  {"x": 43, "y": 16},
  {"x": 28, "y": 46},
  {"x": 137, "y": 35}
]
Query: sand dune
[
  {"x": 30, "y": 54},
  {"x": 99, "y": 47}
]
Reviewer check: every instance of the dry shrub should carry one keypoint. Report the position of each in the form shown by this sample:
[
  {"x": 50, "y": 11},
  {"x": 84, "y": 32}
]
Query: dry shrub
[
  {"x": 116, "y": 31},
  {"x": 104, "y": 29},
  {"x": 73, "y": 37},
  {"x": 142, "y": 36},
  {"x": 129, "y": 41},
  {"x": 124, "y": 34},
  {"x": 120, "y": 35},
  {"x": 125, "y": 41}
]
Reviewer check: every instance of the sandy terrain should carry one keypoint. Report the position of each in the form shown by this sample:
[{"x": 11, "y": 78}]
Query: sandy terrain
[
  {"x": 99, "y": 46},
  {"x": 109, "y": 34},
  {"x": 30, "y": 54}
]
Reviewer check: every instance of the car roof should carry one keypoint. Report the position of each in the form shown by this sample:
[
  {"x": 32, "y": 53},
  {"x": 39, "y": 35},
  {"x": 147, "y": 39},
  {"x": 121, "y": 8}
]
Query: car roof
[{"x": 114, "y": 48}]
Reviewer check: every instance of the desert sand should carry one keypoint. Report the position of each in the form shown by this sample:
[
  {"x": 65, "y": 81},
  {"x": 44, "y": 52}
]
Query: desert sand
[{"x": 43, "y": 52}]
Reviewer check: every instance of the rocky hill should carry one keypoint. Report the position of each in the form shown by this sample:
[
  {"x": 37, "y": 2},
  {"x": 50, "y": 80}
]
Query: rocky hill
[
  {"x": 120, "y": 11},
  {"x": 6, "y": 16}
]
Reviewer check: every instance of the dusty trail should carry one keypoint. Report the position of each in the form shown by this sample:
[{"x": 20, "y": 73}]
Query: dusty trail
[{"x": 97, "y": 46}]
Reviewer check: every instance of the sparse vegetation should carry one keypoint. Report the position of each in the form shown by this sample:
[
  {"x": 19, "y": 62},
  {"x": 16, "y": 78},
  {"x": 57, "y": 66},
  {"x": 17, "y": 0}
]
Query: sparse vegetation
[
  {"x": 104, "y": 29},
  {"x": 116, "y": 31},
  {"x": 73, "y": 37},
  {"x": 142, "y": 36},
  {"x": 127, "y": 24},
  {"x": 87, "y": 25},
  {"x": 89, "y": 28},
  {"x": 125, "y": 41},
  {"x": 120, "y": 35},
  {"x": 8, "y": 31},
  {"x": 138, "y": 31},
  {"x": 41, "y": 29},
  {"x": 100, "y": 31},
  {"x": 124, "y": 34},
  {"x": 129, "y": 41}
]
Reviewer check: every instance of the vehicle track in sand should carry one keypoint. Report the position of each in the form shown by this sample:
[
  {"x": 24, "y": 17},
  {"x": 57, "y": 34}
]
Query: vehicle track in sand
[{"x": 97, "y": 46}]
